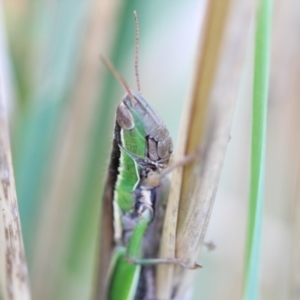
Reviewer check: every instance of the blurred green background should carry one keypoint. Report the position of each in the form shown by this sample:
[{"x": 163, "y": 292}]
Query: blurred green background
[{"x": 62, "y": 103}]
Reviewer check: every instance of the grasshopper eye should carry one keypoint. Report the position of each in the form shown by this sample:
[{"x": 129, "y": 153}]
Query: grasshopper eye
[
  {"x": 160, "y": 150},
  {"x": 124, "y": 117}
]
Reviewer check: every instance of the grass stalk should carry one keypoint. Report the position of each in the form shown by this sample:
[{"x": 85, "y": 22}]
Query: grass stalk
[
  {"x": 258, "y": 146},
  {"x": 192, "y": 132},
  {"x": 14, "y": 281},
  {"x": 207, "y": 123}
]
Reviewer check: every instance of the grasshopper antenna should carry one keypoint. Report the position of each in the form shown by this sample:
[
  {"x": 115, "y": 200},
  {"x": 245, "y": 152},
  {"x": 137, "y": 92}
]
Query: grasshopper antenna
[
  {"x": 117, "y": 75},
  {"x": 136, "y": 53}
]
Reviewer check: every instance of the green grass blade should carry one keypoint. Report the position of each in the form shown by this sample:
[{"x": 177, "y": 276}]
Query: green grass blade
[
  {"x": 39, "y": 126},
  {"x": 59, "y": 237},
  {"x": 259, "y": 122}
]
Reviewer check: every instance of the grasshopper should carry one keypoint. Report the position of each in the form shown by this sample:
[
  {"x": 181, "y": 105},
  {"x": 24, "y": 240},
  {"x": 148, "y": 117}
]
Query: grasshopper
[{"x": 142, "y": 148}]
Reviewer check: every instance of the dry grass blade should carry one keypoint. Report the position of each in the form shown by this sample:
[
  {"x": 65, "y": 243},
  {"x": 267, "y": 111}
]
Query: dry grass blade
[
  {"x": 14, "y": 283},
  {"x": 192, "y": 132},
  {"x": 194, "y": 215},
  {"x": 216, "y": 82}
]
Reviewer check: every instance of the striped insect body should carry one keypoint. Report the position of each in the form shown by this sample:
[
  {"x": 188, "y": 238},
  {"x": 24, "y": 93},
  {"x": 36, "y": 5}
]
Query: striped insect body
[{"x": 142, "y": 148}]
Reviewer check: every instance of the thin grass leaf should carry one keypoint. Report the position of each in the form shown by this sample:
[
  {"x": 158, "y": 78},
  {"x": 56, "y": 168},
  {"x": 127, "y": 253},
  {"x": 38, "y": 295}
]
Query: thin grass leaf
[{"x": 259, "y": 123}]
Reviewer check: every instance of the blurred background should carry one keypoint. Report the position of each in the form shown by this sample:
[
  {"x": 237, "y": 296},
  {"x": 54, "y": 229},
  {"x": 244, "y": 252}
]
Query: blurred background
[{"x": 61, "y": 103}]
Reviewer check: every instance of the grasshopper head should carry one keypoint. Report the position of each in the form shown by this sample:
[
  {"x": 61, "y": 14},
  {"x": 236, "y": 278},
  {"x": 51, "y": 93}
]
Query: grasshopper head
[{"x": 157, "y": 136}]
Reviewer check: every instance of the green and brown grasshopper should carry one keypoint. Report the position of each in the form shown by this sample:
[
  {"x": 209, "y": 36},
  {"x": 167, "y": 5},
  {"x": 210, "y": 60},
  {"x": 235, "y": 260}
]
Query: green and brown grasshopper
[{"x": 136, "y": 190}]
